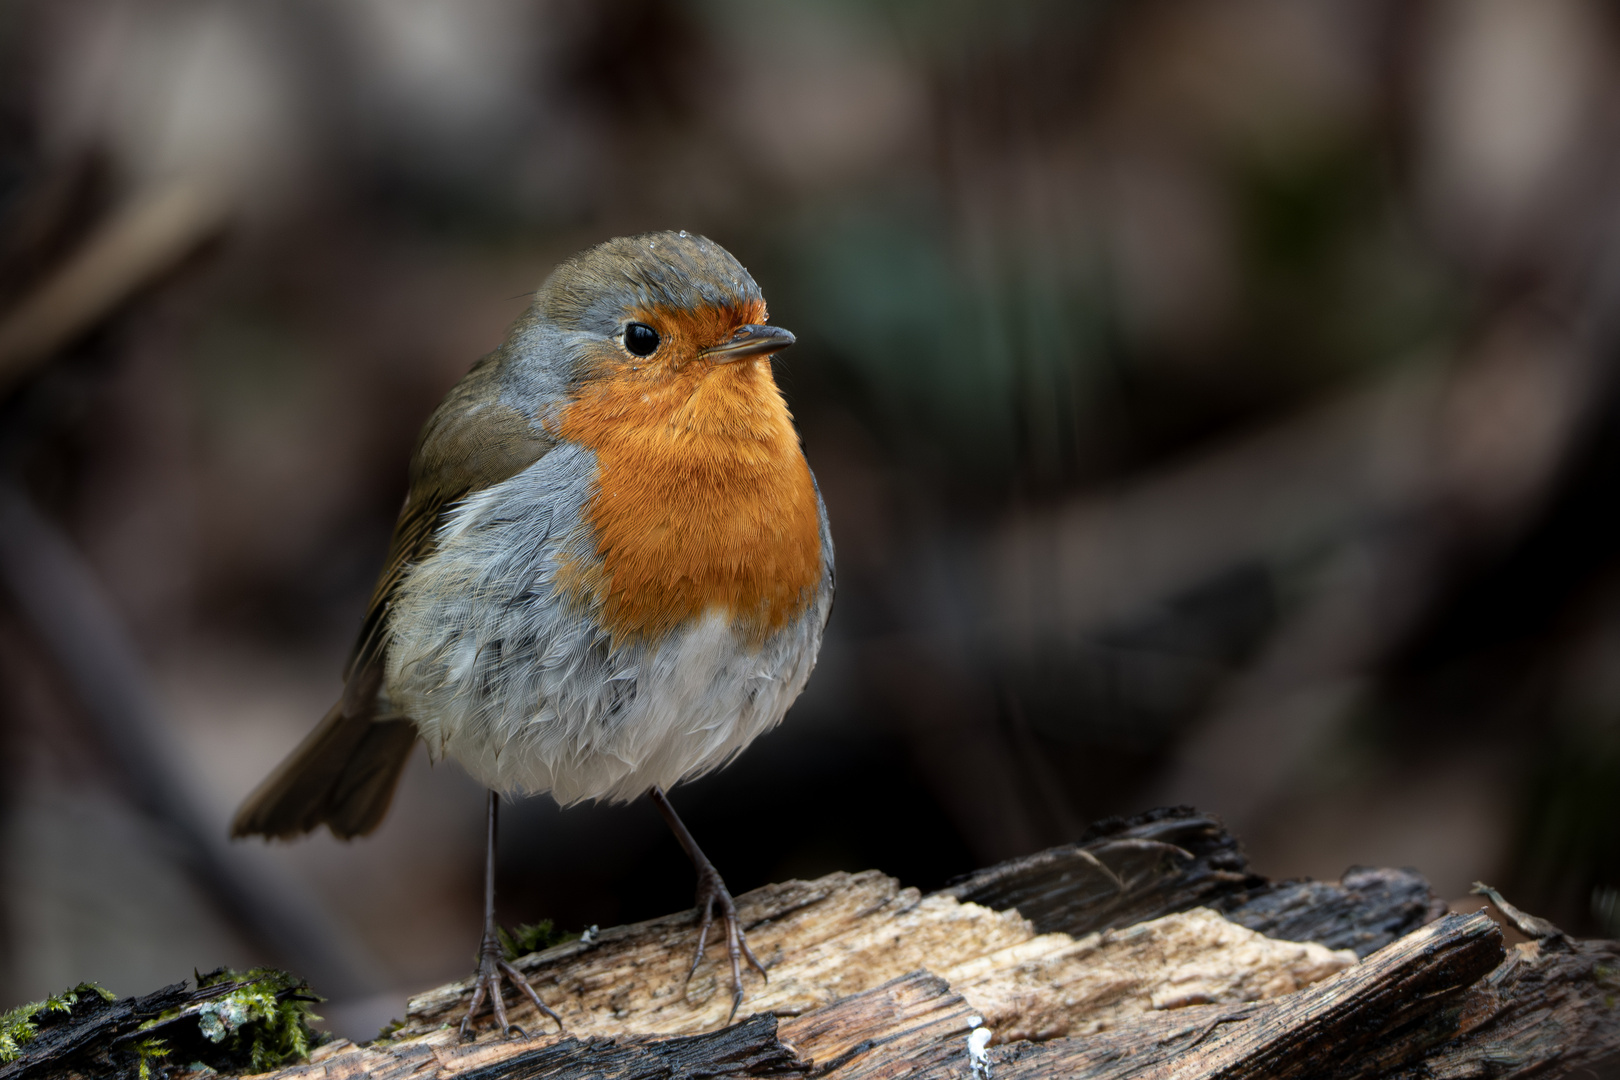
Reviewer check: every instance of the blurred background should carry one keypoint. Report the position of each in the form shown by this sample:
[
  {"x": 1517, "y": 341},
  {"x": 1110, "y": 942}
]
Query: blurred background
[{"x": 1214, "y": 401}]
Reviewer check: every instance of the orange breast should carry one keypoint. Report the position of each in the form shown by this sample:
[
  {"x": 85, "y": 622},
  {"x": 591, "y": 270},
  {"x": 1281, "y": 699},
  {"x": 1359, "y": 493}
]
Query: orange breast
[{"x": 704, "y": 500}]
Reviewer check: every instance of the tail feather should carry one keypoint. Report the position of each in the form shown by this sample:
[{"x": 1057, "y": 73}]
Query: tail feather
[
  {"x": 342, "y": 775},
  {"x": 362, "y": 793}
]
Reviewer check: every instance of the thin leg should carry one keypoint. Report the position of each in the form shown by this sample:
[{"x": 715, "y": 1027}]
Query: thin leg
[
  {"x": 491, "y": 963},
  {"x": 711, "y": 892}
]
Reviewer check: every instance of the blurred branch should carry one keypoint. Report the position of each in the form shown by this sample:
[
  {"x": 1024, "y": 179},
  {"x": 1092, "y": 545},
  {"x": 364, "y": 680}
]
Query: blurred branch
[
  {"x": 1310, "y": 479},
  {"x": 139, "y": 243},
  {"x": 66, "y": 609},
  {"x": 1312, "y": 673}
]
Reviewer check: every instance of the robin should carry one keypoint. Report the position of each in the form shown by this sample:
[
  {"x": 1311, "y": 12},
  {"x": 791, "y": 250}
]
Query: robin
[{"x": 611, "y": 572}]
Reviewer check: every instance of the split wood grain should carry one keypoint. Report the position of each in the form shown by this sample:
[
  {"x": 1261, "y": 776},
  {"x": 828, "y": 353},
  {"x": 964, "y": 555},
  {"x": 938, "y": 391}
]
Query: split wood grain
[
  {"x": 749, "y": 1049},
  {"x": 1127, "y": 870},
  {"x": 911, "y": 1026},
  {"x": 844, "y": 934},
  {"x": 1382, "y": 1014},
  {"x": 1551, "y": 1009}
]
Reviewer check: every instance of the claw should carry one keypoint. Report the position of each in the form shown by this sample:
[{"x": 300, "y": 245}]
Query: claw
[
  {"x": 703, "y": 935},
  {"x": 753, "y": 961},
  {"x": 492, "y": 967},
  {"x": 711, "y": 891},
  {"x": 517, "y": 979}
]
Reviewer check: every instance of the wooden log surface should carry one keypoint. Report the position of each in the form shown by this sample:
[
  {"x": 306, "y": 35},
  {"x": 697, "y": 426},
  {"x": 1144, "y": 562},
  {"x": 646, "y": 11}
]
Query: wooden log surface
[
  {"x": 1160, "y": 970},
  {"x": 1126, "y": 871}
]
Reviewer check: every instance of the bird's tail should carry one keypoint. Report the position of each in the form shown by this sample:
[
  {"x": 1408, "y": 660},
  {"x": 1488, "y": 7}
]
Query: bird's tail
[{"x": 342, "y": 775}]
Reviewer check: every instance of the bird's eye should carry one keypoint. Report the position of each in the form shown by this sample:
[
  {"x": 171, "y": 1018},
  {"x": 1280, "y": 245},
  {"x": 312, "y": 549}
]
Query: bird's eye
[{"x": 640, "y": 339}]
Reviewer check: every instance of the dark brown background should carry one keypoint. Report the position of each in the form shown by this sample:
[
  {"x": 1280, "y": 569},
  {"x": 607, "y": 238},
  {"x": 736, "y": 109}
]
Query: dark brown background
[{"x": 1213, "y": 401}]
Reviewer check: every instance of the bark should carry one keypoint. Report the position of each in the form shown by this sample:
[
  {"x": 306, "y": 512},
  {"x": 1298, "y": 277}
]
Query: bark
[{"x": 1147, "y": 950}]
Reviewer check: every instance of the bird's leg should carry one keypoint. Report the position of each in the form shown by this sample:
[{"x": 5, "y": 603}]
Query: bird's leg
[
  {"x": 492, "y": 963},
  {"x": 711, "y": 893}
]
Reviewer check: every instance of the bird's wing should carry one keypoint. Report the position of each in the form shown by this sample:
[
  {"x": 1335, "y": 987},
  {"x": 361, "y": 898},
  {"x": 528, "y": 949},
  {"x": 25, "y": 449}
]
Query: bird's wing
[
  {"x": 344, "y": 772},
  {"x": 472, "y": 441}
]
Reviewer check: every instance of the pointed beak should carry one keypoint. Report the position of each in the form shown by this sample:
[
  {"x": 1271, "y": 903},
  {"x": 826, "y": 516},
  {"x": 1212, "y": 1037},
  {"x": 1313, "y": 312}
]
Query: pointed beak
[{"x": 751, "y": 340}]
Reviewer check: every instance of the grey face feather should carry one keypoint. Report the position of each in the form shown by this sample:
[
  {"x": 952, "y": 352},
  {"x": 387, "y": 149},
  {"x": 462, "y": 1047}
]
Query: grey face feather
[
  {"x": 595, "y": 289},
  {"x": 583, "y": 305}
]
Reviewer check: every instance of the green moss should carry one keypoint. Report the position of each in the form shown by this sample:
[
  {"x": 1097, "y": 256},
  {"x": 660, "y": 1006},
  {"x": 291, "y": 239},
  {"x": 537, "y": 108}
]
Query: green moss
[
  {"x": 264, "y": 1023},
  {"x": 147, "y": 1050},
  {"x": 531, "y": 937},
  {"x": 19, "y": 1025}
]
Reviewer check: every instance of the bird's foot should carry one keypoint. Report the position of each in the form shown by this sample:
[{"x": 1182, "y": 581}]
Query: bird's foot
[
  {"x": 492, "y": 967},
  {"x": 712, "y": 894}
]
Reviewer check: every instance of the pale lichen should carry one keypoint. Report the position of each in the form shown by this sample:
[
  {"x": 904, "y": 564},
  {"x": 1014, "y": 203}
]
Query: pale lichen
[
  {"x": 264, "y": 1022},
  {"x": 978, "y": 1048}
]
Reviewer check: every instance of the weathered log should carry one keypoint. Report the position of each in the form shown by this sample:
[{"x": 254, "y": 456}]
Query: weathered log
[
  {"x": 848, "y": 933},
  {"x": 1552, "y": 1008},
  {"x": 914, "y": 1025},
  {"x": 1172, "y": 981},
  {"x": 83, "y": 1037},
  {"x": 1128, "y": 870},
  {"x": 1123, "y": 871},
  {"x": 229, "y": 1022},
  {"x": 750, "y": 1048},
  {"x": 1362, "y": 1022}
]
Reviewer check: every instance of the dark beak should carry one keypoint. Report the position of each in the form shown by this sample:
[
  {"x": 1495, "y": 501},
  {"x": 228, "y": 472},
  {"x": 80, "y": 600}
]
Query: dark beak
[{"x": 751, "y": 340}]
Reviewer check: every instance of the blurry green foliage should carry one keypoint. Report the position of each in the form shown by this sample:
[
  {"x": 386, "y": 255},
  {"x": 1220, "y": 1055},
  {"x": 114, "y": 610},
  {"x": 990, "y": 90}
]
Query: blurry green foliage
[
  {"x": 983, "y": 362},
  {"x": 529, "y": 938},
  {"x": 1335, "y": 281}
]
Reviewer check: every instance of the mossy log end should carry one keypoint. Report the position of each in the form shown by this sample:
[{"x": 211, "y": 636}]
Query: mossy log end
[{"x": 1145, "y": 950}]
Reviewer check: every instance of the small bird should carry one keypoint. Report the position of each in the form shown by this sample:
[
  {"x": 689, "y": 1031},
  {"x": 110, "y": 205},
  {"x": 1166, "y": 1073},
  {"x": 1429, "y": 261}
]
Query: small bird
[{"x": 611, "y": 573}]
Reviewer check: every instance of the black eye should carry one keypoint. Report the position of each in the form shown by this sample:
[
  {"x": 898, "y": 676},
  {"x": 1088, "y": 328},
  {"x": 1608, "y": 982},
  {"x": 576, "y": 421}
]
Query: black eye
[{"x": 640, "y": 339}]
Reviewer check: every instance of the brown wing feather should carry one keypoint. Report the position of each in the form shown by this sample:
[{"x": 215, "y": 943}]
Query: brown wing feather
[
  {"x": 344, "y": 773},
  {"x": 471, "y": 442}
]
